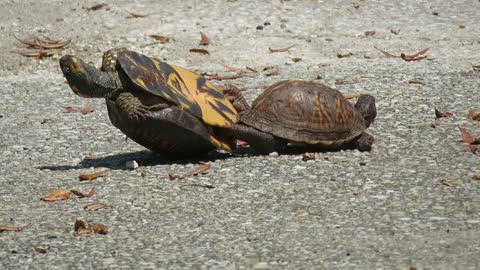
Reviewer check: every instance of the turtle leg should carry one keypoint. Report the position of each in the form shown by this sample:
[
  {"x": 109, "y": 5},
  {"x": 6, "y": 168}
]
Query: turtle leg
[
  {"x": 134, "y": 107},
  {"x": 364, "y": 142},
  {"x": 262, "y": 142},
  {"x": 232, "y": 93}
]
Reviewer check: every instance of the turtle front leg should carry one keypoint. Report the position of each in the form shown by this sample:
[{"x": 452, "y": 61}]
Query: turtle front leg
[
  {"x": 364, "y": 142},
  {"x": 134, "y": 107},
  {"x": 233, "y": 95}
]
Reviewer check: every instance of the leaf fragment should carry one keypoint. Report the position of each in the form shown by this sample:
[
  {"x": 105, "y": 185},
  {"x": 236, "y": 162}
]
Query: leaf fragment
[
  {"x": 209, "y": 186},
  {"x": 222, "y": 78},
  {"x": 84, "y": 110},
  {"x": 201, "y": 51},
  {"x": 4, "y": 228},
  {"x": 476, "y": 176},
  {"x": 343, "y": 82},
  {"x": 204, "y": 40},
  {"x": 468, "y": 138},
  {"x": 96, "y": 206},
  {"x": 414, "y": 57},
  {"x": 448, "y": 183},
  {"x": 370, "y": 33},
  {"x": 440, "y": 114},
  {"x": 281, "y": 49},
  {"x": 83, "y": 195},
  {"x": 200, "y": 170},
  {"x": 472, "y": 114},
  {"x": 344, "y": 55},
  {"x": 91, "y": 176},
  {"x": 308, "y": 156},
  {"x": 83, "y": 228},
  {"x": 253, "y": 238},
  {"x": 296, "y": 59},
  {"x": 57, "y": 195},
  {"x": 135, "y": 15},
  {"x": 96, "y": 7},
  {"x": 162, "y": 39},
  {"x": 41, "y": 250},
  {"x": 413, "y": 81}
]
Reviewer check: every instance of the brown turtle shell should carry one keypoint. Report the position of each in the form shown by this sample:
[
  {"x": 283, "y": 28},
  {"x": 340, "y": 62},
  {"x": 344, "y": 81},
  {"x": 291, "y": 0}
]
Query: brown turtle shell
[{"x": 305, "y": 112}]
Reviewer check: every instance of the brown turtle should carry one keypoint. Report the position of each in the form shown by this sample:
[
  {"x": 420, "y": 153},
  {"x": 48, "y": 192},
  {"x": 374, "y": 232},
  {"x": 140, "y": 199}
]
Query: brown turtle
[{"x": 305, "y": 112}]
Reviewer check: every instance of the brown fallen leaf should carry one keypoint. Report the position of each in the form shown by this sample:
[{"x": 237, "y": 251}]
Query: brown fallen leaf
[
  {"x": 201, "y": 51},
  {"x": 39, "y": 54},
  {"x": 204, "y": 39},
  {"x": 281, "y": 49},
  {"x": 370, "y": 33},
  {"x": 162, "y": 39},
  {"x": 308, "y": 156},
  {"x": 195, "y": 172},
  {"x": 272, "y": 73},
  {"x": 81, "y": 110},
  {"x": 135, "y": 15},
  {"x": 253, "y": 238},
  {"x": 434, "y": 124},
  {"x": 234, "y": 69},
  {"x": 91, "y": 176},
  {"x": 40, "y": 250},
  {"x": 472, "y": 148},
  {"x": 344, "y": 55},
  {"x": 468, "y": 138},
  {"x": 57, "y": 195},
  {"x": 83, "y": 228},
  {"x": 175, "y": 177},
  {"x": 83, "y": 195},
  {"x": 415, "y": 82},
  {"x": 472, "y": 114},
  {"x": 4, "y": 228},
  {"x": 96, "y": 206},
  {"x": 46, "y": 44},
  {"x": 387, "y": 54},
  {"x": 296, "y": 59},
  {"x": 96, "y": 7},
  {"x": 395, "y": 31},
  {"x": 449, "y": 183},
  {"x": 440, "y": 114},
  {"x": 209, "y": 186},
  {"x": 414, "y": 57}
]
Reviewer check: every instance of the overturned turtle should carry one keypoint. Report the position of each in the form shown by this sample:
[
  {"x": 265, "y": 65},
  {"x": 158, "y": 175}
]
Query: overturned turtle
[
  {"x": 304, "y": 112},
  {"x": 163, "y": 107}
]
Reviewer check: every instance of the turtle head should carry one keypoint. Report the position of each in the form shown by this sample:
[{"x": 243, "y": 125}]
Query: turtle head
[
  {"x": 366, "y": 106},
  {"x": 85, "y": 80}
]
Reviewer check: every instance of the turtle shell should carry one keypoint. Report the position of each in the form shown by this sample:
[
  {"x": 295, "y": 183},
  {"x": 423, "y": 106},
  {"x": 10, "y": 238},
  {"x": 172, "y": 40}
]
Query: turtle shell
[
  {"x": 305, "y": 112},
  {"x": 179, "y": 86},
  {"x": 172, "y": 131}
]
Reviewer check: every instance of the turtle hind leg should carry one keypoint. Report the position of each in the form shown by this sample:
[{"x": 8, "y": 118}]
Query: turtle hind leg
[
  {"x": 364, "y": 142},
  {"x": 262, "y": 142}
]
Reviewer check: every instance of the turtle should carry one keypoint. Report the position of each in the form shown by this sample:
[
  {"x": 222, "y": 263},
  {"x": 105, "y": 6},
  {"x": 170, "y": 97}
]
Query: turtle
[
  {"x": 164, "y": 107},
  {"x": 304, "y": 112}
]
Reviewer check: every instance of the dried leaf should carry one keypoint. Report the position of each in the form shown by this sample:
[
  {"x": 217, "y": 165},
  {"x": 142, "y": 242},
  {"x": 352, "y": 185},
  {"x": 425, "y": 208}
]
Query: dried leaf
[
  {"x": 201, "y": 51},
  {"x": 203, "y": 169},
  {"x": 4, "y": 228},
  {"x": 91, "y": 176},
  {"x": 96, "y": 206},
  {"x": 308, "y": 156},
  {"x": 253, "y": 238},
  {"x": 81, "y": 110},
  {"x": 344, "y": 55},
  {"x": 260, "y": 68},
  {"x": 57, "y": 195},
  {"x": 44, "y": 44},
  {"x": 83, "y": 195},
  {"x": 395, "y": 31},
  {"x": 162, "y": 39},
  {"x": 39, "y": 54},
  {"x": 209, "y": 186},
  {"x": 40, "y": 250},
  {"x": 204, "y": 39},
  {"x": 135, "y": 15},
  {"x": 415, "y": 82},
  {"x": 296, "y": 59},
  {"x": 449, "y": 183},
  {"x": 434, "y": 125},
  {"x": 175, "y": 177},
  {"x": 468, "y": 138},
  {"x": 472, "y": 114},
  {"x": 96, "y": 7},
  {"x": 343, "y": 82},
  {"x": 440, "y": 114},
  {"x": 370, "y": 33},
  {"x": 472, "y": 148},
  {"x": 99, "y": 228},
  {"x": 414, "y": 57},
  {"x": 281, "y": 49},
  {"x": 476, "y": 176},
  {"x": 272, "y": 73},
  {"x": 234, "y": 69},
  {"x": 82, "y": 228},
  {"x": 387, "y": 54}
]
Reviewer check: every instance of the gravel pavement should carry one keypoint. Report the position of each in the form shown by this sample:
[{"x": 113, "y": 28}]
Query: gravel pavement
[{"x": 410, "y": 203}]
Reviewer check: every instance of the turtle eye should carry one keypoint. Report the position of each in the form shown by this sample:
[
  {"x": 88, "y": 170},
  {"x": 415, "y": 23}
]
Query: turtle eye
[{"x": 66, "y": 70}]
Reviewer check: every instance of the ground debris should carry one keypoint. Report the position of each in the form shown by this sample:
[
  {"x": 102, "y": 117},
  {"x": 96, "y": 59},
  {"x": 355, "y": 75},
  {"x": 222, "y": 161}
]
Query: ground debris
[
  {"x": 414, "y": 57},
  {"x": 135, "y": 15},
  {"x": 370, "y": 33},
  {"x": 344, "y": 55},
  {"x": 91, "y": 176},
  {"x": 83, "y": 195},
  {"x": 85, "y": 110},
  {"x": 201, "y": 51},
  {"x": 472, "y": 114},
  {"x": 4, "y": 228},
  {"x": 96, "y": 206},
  {"x": 200, "y": 170},
  {"x": 281, "y": 49},
  {"x": 204, "y": 40},
  {"x": 308, "y": 156},
  {"x": 83, "y": 228},
  {"x": 40, "y": 48},
  {"x": 162, "y": 39},
  {"x": 468, "y": 138},
  {"x": 57, "y": 195},
  {"x": 448, "y": 183},
  {"x": 440, "y": 114},
  {"x": 96, "y": 7}
]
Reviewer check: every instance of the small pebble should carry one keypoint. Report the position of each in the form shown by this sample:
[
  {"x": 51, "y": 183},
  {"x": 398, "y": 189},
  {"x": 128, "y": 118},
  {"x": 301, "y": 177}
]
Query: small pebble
[
  {"x": 266, "y": 23},
  {"x": 273, "y": 154},
  {"x": 259, "y": 27},
  {"x": 131, "y": 164}
]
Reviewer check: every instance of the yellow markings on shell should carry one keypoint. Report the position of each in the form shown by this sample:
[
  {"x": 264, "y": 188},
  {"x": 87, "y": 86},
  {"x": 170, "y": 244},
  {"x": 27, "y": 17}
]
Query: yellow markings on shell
[
  {"x": 209, "y": 114},
  {"x": 220, "y": 145},
  {"x": 141, "y": 82}
]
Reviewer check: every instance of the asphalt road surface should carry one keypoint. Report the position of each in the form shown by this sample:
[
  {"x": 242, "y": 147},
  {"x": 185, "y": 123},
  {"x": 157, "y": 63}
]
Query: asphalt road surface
[{"x": 410, "y": 203}]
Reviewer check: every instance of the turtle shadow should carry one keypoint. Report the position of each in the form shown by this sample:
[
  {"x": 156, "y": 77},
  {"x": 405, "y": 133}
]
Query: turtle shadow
[{"x": 143, "y": 158}]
